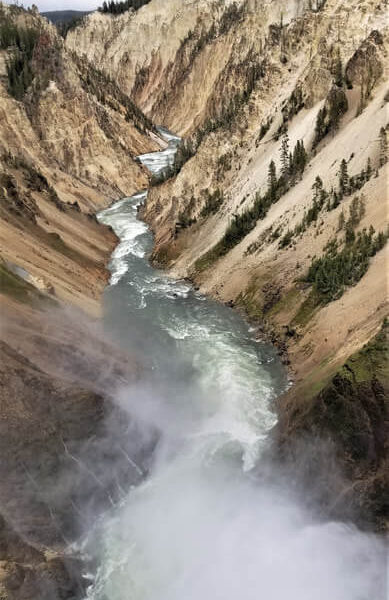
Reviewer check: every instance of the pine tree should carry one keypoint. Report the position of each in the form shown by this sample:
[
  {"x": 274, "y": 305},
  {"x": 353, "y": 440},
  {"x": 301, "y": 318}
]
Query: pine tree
[
  {"x": 383, "y": 147},
  {"x": 342, "y": 221},
  {"x": 285, "y": 156},
  {"x": 343, "y": 178},
  {"x": 369, "y": 170},
  {"x": 317, "y": 188},
  {"x": 361, "y": 208},
  {"x": 354, "y": 212},
  {"x": 272, "y": 181},
  {"x": 338, "y": 70},
  {"x": 320, "y": 126},
  {"x": 299, "y": 157}
]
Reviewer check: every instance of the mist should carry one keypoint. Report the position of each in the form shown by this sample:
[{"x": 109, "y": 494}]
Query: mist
[{"x": 200, "y": 527}]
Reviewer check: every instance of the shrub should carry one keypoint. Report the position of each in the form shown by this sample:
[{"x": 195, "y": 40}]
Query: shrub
[
  {"x": 329, "y": 116},
  {"x": 212, "y": 203},
  {"x": 343, "y": 267}
]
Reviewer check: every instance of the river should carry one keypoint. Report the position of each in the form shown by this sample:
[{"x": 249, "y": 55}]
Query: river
[{"x": 203, "y": 525}]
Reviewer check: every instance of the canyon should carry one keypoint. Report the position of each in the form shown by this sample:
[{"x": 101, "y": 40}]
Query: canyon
[
  {"x": 234, "y": 78},
  {"x": 248, "y": 84}
]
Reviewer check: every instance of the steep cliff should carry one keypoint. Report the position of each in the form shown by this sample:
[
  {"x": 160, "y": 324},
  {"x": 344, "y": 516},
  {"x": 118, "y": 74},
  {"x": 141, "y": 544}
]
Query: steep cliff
[{"x": 68, "y": 137}]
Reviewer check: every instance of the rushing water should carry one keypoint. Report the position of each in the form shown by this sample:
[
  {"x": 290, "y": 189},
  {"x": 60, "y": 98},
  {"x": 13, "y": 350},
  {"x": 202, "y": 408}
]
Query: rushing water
[{"x": 200, "y": 527}]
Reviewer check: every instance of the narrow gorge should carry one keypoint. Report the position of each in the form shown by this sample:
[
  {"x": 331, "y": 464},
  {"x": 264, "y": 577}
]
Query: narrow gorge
[{"x": 193, "y": 389}]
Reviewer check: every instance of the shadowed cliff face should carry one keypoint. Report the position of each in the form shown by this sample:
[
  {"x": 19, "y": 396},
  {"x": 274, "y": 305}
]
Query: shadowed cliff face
[
  {"x": 27, "y": 572},
  {"x": 67, "y": 453},
  {"x": 352, "y": 410}
]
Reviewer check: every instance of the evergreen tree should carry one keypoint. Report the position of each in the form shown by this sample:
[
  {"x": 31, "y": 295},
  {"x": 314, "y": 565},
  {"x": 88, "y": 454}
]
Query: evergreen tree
[
  {"x": 369, "y": 170},
  {"x": 354, "y": 212},
  {"x": 285, "y": 156},
  {"x": 383, "y": 147},
  {"x": 338, "y": 105},
  {"x": 320, "y": 126},
  {"x": 343, "y": 178},
  {"x": 342, "y": 221},
  {"x": 272, "y": 181},
  {"x": 317, "y": 188},
  {"x": 362, "y": 208},
  {"x": 299, "y": 157},
  {"x": 338, "y": 70}
]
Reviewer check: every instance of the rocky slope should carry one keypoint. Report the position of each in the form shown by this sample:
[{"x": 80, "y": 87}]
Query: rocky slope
[
  {"x": 68, "y": 137},
  {"x": 67, "y": 147},
  {"x": 64, "y": 444},
  {"x": 254, "y": 82}
]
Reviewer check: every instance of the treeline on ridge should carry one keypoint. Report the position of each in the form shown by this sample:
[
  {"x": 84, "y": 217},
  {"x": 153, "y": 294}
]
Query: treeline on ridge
[{"x": 117, "y": 8}]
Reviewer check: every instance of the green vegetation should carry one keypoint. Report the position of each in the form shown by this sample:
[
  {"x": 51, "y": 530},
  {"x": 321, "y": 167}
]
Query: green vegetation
[
  {"x": 293, "y": 165},
  {"x": 307, "y": 309},
  {"x": 251, "y": 299},
  {"x": 342, "y": 264},
  {"x": 331, "y": 200},
  {"x": 352, "y": 402},
  {"x": 337, "y": 69},
  {"x": 35, "y": 180},
  {"x": 340, "y": 268},
  {"x": 17, "y": 288},
  {"x": 316, "y": 5},
  {"x": 383, "y": 147},
  {"x": 64, "y": 16},
  {"x": 65, "y": 20},
  {"x": 184, "y": 152},
  {"x": 252, "y": 71},
  {"x": 108, "y": 92},
  {"x": 185, "y": 218},
  {"x": 292, "y": 107},
  {"x": 117, "y": 8},
  {"x": 329, "y": 116},
  {"x": 224, "y": 162},
  {"x": 371, "y": 361},
  {"x": 64, "y": 27},
  {"x": 230, "y": 17},
  {"x": 212, "y": 204},
  {"x": 22, "y": 42},
  {"x": 286, "y": 239},
  {"x": 264, "y": 129}
]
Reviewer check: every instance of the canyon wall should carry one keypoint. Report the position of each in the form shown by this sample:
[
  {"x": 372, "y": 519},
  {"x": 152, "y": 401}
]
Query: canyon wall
[
  {"x": 68, "y": 138},
  {"x": 67, "y": 148}
]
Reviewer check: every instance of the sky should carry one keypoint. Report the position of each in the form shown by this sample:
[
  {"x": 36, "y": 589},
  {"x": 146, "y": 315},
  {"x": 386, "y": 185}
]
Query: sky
[{"x": 45, "y": 5}]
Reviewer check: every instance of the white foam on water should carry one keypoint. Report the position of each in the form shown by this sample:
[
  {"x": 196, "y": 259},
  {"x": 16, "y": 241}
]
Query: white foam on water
[
  {"x": 156, "y": 162},
  {"x": 128, "y": 229}
]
